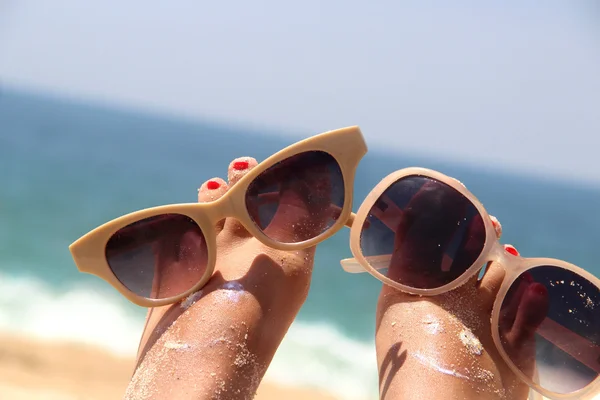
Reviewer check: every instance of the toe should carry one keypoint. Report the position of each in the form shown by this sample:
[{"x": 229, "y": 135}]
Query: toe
[
  {"x": 497, "y": 226},
  {"x": 212, "y": 190},
  {"x": 238, "y": 168},
  {"x": 494, "y": 272},
  {"x": 490, "y": 284}
]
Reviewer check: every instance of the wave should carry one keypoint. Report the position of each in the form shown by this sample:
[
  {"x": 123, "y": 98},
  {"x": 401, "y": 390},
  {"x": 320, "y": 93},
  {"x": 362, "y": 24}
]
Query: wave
[
  {"x": 316, "y": 355},
  {"x": 83, "y": 314}
]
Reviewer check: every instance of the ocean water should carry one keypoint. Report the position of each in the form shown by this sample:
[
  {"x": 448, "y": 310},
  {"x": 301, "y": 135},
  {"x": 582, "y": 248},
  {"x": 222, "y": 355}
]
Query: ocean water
[{"x": 66, "y": 168}]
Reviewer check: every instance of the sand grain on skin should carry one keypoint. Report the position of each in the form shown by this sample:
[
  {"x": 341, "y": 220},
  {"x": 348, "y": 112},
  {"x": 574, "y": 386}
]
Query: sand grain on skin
[
  {"x": 166, "y": 356},
  {"x": 432, "y": 325},
  {"x": 458, "y": 342},
  {"x": 470, "y": 341},
  {"x": 191, "y": 300},
  {"x": 245, "y": 368}
]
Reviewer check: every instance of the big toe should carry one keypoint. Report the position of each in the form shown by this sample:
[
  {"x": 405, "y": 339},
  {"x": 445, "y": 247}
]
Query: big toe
[
  {"x": 238, "y": 168},
  {"x": 212, "y": 190}
]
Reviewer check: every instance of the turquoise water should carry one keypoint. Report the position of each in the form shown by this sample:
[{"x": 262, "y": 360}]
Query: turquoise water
[{"x": 66, "y": 168}]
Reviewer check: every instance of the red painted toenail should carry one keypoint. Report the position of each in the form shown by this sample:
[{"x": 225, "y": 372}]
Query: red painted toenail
[
  {"x": 240, "y": 165},
  {"x": 212, "y": 185},
  {"x": 494, "y": 223},
  {"x": 511, "y": 250}
]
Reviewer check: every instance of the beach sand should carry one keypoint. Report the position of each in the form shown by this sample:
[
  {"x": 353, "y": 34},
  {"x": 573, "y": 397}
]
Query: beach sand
[{"x": 33, "y": 369}]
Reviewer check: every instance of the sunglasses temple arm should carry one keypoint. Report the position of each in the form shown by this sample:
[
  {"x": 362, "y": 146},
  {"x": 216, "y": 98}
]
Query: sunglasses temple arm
[
  {"x": 352, "y": 266},
  {"x": 350, "y": 220}
]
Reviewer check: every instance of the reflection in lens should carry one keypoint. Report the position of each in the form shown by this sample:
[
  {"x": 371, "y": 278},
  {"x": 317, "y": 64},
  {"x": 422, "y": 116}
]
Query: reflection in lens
[
  {"x": 550, "y": 328},
  {"x": 158, "y": 257},
  {"x": 298, "y": 198},
  {"x": 424, "y": 232}
]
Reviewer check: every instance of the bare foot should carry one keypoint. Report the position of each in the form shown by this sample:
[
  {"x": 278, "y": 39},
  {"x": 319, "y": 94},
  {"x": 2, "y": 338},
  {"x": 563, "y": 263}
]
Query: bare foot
[
  {"x": 219, "y": 342},
  {"x": 442, "y": 348}
]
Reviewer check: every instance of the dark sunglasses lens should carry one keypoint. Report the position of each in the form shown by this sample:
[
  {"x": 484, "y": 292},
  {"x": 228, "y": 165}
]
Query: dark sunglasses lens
[
  {"x": 158, "y": 257},
  {"x": 422, "y": 233},
  {"x": 298, "y": 198},
  {"x": 549, "y": 326}
]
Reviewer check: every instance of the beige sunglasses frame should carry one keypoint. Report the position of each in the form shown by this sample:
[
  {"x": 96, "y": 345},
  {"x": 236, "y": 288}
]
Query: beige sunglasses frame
[
  {"x": 492, "y": 252},
  {"x": 346, "y": 145}
]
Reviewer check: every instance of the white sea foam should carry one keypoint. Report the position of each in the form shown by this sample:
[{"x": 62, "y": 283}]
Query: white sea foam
[
  {"x": 83, "y": 314},
  {"x": 320, "y": 356},
  {"x": 311, "y": 355}
]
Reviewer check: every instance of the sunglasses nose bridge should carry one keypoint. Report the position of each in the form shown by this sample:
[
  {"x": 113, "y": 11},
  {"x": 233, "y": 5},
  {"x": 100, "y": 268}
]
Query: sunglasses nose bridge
[
  {"x": 221, "y": 208},
  {"x": 499, "y": 256},
  {"x": 507, "y": 260}
]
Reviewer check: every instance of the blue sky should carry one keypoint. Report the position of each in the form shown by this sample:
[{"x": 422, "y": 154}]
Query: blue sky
[{"x": 510, "y": 84}]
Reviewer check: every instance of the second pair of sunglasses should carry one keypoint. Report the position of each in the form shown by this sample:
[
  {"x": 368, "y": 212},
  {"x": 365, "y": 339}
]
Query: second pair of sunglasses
[{"x": 424, "y": 233}]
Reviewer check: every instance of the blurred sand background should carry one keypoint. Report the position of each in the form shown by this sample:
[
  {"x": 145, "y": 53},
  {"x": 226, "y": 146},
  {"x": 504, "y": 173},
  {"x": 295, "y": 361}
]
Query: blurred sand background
[{"x": 32, "y": 369}]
